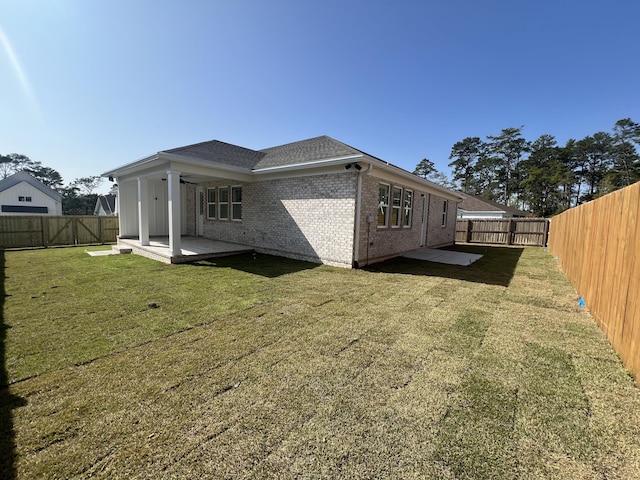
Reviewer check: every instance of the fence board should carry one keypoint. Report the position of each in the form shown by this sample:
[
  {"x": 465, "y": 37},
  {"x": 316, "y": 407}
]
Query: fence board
[
  {"x": 509, "y": 231},
  {"x": 597, "y": 247},
  {"x": 42, "y": 231}
]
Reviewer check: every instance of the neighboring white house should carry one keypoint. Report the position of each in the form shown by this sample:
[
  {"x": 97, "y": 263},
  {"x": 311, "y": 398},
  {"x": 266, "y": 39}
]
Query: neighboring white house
[
  {"x": 318, "y": 200},
  {"x": 22, "y": 194},
  {"x": 473, "y": 207},
  {"x": 106, "y": 205}
]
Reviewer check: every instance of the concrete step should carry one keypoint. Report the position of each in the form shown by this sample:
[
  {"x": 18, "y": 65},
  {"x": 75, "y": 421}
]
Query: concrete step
[{"x": 120, "y": 249}]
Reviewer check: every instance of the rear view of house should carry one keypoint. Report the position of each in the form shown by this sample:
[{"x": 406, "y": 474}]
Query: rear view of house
[
  {"x": 23, "y": 194},
  {"x": 318, "y": 200}
]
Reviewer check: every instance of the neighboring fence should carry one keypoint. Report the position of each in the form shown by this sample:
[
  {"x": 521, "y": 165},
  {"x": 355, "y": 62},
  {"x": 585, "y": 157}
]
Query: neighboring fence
[
  {"x": 43, "y": 231},
  {"x": 507, "y": 231},
  {"x": 598, "y": 247}
]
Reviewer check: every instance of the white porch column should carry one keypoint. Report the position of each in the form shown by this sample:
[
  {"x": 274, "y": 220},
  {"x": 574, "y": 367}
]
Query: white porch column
[
  {"x": 143, "y": 211},
  {"x": 118, "y": 209},
  {"x": 173, "y": 195}
]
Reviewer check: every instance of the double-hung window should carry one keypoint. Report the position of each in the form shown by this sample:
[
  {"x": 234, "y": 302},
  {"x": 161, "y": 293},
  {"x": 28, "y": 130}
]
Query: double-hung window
[
  {"x": 408, "y": 207},
  {"x": 383, "y": 205},
  {"x": 223, "y": 203},
  {"x": 236, "y": 203},
  {"x": 445, "y": 208},
  {"x": 396, "y": 206},
  {"x": 211, "y": 203}
]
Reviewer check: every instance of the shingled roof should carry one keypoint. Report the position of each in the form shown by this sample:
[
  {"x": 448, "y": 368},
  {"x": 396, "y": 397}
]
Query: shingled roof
[
  {"x": 313, "y": 149},
  {"x": 304, "y": 151},
  {"x": 22, "y": 176},
  {"x": 220, "y": 152},
  {"x": 471, "y": 203}
]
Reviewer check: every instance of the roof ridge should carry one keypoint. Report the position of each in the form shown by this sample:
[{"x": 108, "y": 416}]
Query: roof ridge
[
  {"x": 171, "y": 150},
  {"x": 298, "y": 141}
]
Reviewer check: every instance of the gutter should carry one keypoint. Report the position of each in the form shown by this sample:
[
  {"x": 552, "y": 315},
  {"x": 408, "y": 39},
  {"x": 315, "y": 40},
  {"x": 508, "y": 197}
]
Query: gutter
[
  {"x": 305, "y": 165},
  {"x": 356, "y": 233}
]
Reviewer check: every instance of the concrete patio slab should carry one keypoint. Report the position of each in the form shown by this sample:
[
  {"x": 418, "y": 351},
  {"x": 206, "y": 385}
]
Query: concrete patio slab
[
  {"x": 443, "y": 256},
  {"x": 192, "y": 249}
]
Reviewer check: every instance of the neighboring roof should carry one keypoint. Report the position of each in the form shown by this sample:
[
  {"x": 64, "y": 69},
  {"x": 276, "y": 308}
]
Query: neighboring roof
[
  {"x": 108, "y": 204},
  {"x": 19, "y": 177},
  {"x": 471, "y": 203}
]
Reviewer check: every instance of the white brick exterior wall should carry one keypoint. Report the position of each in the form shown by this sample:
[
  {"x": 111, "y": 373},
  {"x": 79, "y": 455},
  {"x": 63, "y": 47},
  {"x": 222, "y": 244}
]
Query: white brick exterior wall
[
  {"x": 438, "y": 235},
  {"x": 308, "y": 218},
  {"x": 312, "y": 218},
  {"x": 380, "y": 243}
]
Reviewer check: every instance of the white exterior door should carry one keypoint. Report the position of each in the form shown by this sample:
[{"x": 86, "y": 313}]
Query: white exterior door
[
  {"x": 200, "y": 206},
  {"x": 425, "y": 219}
]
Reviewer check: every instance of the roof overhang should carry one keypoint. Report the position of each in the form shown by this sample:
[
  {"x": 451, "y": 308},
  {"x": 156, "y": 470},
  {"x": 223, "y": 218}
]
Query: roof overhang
[
  {"x": 197, "y": 169},
  {"x": 411, "y": 180}
]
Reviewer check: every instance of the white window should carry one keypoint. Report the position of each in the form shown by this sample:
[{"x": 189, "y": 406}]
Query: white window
[
  {"x": 223, "y": 203},
  {"x": 236, "y": 203},
  {"x": 383, "y": 205},
  {"x": 21, "y": 199},
  {"x": 211, "y": 203},
  {"x": 396, "y": 206},
  {"x": 408, "y": 208},
  {"x": 445, "y": 208}
]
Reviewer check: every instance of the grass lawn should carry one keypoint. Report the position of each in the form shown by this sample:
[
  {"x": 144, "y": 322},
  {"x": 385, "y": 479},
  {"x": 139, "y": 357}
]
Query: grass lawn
[{"x": 262, "y": 367}]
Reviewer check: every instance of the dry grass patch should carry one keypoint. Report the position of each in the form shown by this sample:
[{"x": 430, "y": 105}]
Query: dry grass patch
[{"x": 269, "y": 368}]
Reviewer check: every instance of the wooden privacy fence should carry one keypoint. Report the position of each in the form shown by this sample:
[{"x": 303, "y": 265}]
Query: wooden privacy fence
[
  {"x": 598, "y": 247},
  {"x": 506, "y": 231},
  {"x": 44, "y": 231}
]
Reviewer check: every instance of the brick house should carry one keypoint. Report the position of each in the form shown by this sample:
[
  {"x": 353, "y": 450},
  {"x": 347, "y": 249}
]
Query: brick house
[{"x": 318, "y": 200}]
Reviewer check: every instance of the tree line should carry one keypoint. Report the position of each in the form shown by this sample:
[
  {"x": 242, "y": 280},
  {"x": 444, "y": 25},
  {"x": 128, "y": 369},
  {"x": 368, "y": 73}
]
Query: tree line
[
  {"x": 78, "y": 197},
  {"x": 541, "y": 176}
]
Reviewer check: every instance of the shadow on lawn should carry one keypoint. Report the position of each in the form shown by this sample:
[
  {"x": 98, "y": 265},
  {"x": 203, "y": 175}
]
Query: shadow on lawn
[
  {"x": 496, "y": 267},
  {"x": 258, "y": 264},
  {"x": 7, "y": 401}
]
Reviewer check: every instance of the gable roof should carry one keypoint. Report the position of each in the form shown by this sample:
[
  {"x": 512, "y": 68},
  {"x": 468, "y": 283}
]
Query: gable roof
[
  {"x": 19, "y": 177},
  {"x": 310, "y": 153},
  {"x": 219, "y": 152},
  {"x": 471, "y": 203},
  {"x": 108, "y": 204},
  {"x": 305, "y": 151}
]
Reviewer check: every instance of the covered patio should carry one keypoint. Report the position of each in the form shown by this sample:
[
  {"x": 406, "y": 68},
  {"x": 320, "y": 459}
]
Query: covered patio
[{"x": 191, "y": 249}]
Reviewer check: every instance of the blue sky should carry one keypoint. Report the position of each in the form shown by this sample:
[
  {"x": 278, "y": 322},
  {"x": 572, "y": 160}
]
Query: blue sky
[{"x": 88, "y": 85}]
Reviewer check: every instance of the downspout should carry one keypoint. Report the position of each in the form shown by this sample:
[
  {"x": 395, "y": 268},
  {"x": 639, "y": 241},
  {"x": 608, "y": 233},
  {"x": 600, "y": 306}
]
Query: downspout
[{"x": 356, "y": 229}]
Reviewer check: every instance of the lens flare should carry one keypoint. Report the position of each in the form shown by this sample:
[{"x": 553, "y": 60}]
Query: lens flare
[{"x": 19, "y": 71}]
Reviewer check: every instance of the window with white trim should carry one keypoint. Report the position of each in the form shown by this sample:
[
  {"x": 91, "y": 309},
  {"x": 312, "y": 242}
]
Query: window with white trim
[
  {"x": 236, "y": 203},
  {"x": 396, "y": 206},
  {"x": 211, "y": 203},
  {"x": 408, "y": 208},
  {"x": 383, "y": 205},
  {"x": 223, "y": 203},
  {"x": 445, "y": 209}
]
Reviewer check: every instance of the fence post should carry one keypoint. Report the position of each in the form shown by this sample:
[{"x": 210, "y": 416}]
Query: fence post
[
  {"x": 469, "y": 228},
  {"x": 545, "y": 239},
  {"x": 511, "y": 231}
]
